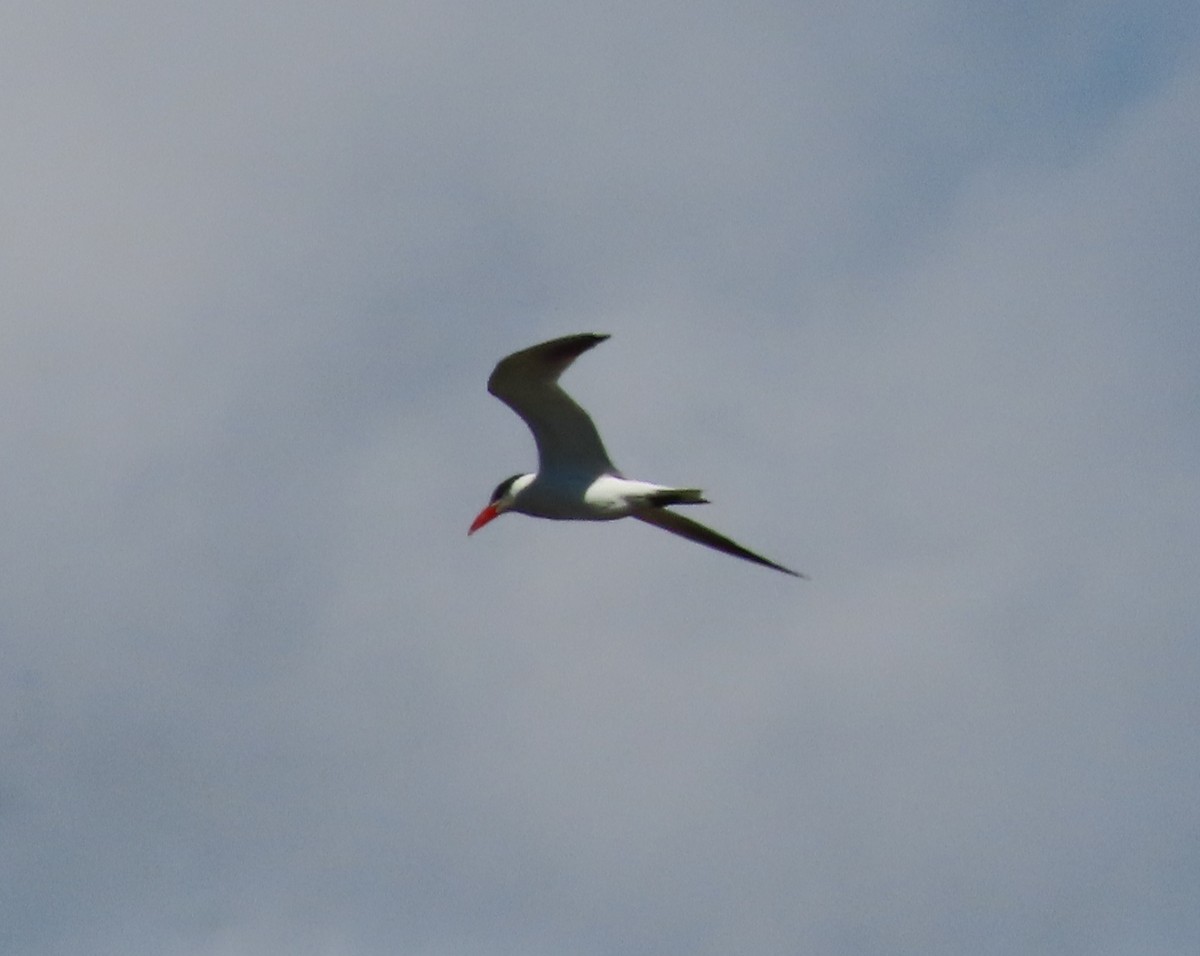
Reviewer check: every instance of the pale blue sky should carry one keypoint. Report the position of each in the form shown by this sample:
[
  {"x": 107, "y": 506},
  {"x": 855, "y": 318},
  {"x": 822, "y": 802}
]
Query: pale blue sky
[{"x": 911, "y": 293}]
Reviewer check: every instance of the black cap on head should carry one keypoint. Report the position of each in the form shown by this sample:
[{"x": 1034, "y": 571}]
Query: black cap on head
[{"x": 502, "y": 488}]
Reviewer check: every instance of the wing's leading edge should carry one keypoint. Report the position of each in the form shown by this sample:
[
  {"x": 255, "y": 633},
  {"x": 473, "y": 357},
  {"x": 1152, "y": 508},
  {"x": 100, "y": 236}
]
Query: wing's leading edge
[
  {"x": 527, "y": 382},
  {"x": 694, "y": 531}
]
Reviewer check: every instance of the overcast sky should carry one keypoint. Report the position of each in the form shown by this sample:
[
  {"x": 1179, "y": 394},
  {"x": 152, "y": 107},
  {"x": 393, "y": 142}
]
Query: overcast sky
[{"x": 912, "y": 292}]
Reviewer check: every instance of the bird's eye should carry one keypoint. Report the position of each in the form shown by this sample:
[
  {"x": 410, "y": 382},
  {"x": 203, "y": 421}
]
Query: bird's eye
[{"x": 502, "y": 488}]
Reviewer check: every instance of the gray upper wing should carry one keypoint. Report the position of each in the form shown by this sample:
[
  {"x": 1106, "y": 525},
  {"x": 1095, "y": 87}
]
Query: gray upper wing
[{"x": 527, "y": 382}]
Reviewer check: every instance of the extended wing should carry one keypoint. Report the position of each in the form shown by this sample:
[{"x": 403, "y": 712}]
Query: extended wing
[
  {"x": 527, "y": 382},
  {"x": 694, "y": 531}
]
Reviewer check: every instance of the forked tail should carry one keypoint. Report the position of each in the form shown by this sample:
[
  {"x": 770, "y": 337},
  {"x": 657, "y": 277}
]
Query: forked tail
[{"x": 677, "y": 496}]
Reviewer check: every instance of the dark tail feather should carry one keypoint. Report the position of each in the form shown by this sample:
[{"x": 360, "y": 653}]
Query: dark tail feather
[{"x": 677, "y": 496}]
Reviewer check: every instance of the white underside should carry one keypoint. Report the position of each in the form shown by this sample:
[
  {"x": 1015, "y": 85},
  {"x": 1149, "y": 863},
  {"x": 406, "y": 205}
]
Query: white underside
[{"x": 589, "y": 499}]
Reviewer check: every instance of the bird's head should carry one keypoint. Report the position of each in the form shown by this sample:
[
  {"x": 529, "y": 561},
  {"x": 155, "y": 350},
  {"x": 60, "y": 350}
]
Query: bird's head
[{"x": 501, "y": 501}]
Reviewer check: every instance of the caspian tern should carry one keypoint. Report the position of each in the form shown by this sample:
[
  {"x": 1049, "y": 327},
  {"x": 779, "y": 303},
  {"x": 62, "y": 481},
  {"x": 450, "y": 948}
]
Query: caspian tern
[{"x": 575, "y": 477}]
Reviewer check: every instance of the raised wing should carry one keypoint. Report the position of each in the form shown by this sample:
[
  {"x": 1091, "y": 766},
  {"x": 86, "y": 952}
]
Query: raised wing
[
  {"x": 527, "y": 382},
  {"x": 694, "y": 531}
]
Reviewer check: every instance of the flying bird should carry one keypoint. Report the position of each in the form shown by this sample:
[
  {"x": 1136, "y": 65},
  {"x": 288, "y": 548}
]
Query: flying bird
[{"x": 576, "y": 480}]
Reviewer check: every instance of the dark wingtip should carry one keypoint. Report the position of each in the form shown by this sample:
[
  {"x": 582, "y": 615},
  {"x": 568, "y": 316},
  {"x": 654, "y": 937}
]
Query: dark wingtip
[
  {"x": 780, "y": 567},
  {"x": 572, "y": 346},
  {"x": 594, "y": 339}
]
